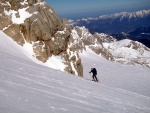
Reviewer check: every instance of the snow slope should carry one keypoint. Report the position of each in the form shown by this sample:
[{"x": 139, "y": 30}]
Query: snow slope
[{"x": 27, "y": 87}]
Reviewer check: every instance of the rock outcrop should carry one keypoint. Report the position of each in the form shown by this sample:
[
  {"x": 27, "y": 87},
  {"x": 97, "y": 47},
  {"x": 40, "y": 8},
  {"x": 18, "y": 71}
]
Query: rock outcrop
[
  {"x": 124, "y": 51},
  {"x": 83, "y": 38},
  {"x": 35, "y": 22}
]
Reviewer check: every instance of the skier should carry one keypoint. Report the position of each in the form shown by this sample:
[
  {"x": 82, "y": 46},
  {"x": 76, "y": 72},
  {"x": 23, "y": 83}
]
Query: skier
[{"x": 94, "y": 72}]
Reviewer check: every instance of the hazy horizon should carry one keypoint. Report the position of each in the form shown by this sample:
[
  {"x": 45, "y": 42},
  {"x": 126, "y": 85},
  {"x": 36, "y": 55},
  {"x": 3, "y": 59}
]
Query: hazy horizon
[{"x": 87, "y": 8}]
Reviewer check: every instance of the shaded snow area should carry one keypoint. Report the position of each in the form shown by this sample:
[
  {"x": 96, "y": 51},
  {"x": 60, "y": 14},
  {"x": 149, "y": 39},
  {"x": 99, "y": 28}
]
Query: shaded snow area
[{"x": 27, "y": 87}]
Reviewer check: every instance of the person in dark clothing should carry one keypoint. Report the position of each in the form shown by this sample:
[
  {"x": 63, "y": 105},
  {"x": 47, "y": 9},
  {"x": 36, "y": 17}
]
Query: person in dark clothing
[{"x": 94, "y": 72}]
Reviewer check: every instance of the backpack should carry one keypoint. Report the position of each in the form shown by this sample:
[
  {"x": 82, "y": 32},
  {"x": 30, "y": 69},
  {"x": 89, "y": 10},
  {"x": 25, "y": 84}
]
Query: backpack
[{"x": 95, "y": 71}]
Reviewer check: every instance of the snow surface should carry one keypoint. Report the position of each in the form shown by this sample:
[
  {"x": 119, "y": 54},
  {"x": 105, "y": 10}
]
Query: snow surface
[
  {"x": 119, "y": 47},
  {"x": 129, "y": 51},
  {"x": 27, "y": 87},
  {"x": 22, "y": 13}
]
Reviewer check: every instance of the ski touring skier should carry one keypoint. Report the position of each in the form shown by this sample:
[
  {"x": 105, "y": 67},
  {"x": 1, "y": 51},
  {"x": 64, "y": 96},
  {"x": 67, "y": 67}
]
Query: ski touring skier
[{"x": 94, "y": 72}]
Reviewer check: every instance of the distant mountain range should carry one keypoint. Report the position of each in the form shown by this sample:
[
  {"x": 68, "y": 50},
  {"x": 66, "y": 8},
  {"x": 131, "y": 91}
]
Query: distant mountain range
[
  {"x": 116, "y": 23},
  {"x": 141, "y": 34}
]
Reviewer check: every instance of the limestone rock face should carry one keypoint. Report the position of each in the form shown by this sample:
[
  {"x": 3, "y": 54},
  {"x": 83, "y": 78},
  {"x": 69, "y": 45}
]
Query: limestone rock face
[
  {"x": 124, "y": 51},
  {"x": 84, "y": 38},
  {"x": 35, "y": 22}
]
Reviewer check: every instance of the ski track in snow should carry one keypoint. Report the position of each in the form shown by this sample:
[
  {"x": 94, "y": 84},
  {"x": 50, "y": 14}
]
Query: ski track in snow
[{"x": 26, "y": 87}]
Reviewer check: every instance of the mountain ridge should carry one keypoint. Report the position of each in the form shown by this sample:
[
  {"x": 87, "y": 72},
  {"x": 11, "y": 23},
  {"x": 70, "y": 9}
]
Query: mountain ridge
[{"x": 123, "y": 22}]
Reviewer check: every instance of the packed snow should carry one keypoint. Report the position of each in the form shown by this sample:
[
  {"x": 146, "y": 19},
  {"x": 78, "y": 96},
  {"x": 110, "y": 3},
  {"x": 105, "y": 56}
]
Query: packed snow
[{"x": 27, "y": 87}]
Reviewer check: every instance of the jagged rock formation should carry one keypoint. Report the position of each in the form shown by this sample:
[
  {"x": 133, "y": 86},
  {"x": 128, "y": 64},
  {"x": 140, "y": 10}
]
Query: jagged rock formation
[
  {"x": 35, "y": 22},
  {"x": 83, "y": 38},
  {"x": 124, "y": 51},
  {"x": 129, "y": 52}
]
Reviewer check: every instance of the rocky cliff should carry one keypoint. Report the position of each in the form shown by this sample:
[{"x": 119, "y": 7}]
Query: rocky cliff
[
  {"x": 83, "y": 38},
  {"x": 35, "y": 22}
]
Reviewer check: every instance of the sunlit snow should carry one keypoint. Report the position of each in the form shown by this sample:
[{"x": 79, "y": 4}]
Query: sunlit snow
[
  {"x": 22, "y": 13},
  {"x": 27, "y": 87}
]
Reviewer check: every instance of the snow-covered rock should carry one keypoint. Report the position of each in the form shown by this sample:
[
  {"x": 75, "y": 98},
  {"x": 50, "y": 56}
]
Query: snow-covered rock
[
  {"x": 129, "y": 52},
  {"x": 124, "y": 51},
  {"x": 85, "y": 39},
  {"x": 36, "y": 23}
]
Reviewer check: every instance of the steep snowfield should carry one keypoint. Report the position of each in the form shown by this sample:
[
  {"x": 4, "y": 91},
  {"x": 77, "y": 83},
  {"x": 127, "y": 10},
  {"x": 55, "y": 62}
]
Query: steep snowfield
[
  {"x": 131, "y": 78},
  {"x": 27, "y": 87}
]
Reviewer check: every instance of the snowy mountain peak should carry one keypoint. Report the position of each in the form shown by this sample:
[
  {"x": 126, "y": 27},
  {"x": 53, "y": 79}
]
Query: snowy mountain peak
[
  {"x": 121, "y": 15},
  {"x": 129, "y": 52},
  {"x": 123, "y": 22}
]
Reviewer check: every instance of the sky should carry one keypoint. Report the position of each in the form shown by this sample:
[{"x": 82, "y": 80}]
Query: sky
[{"x": 87, "y": 8}]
